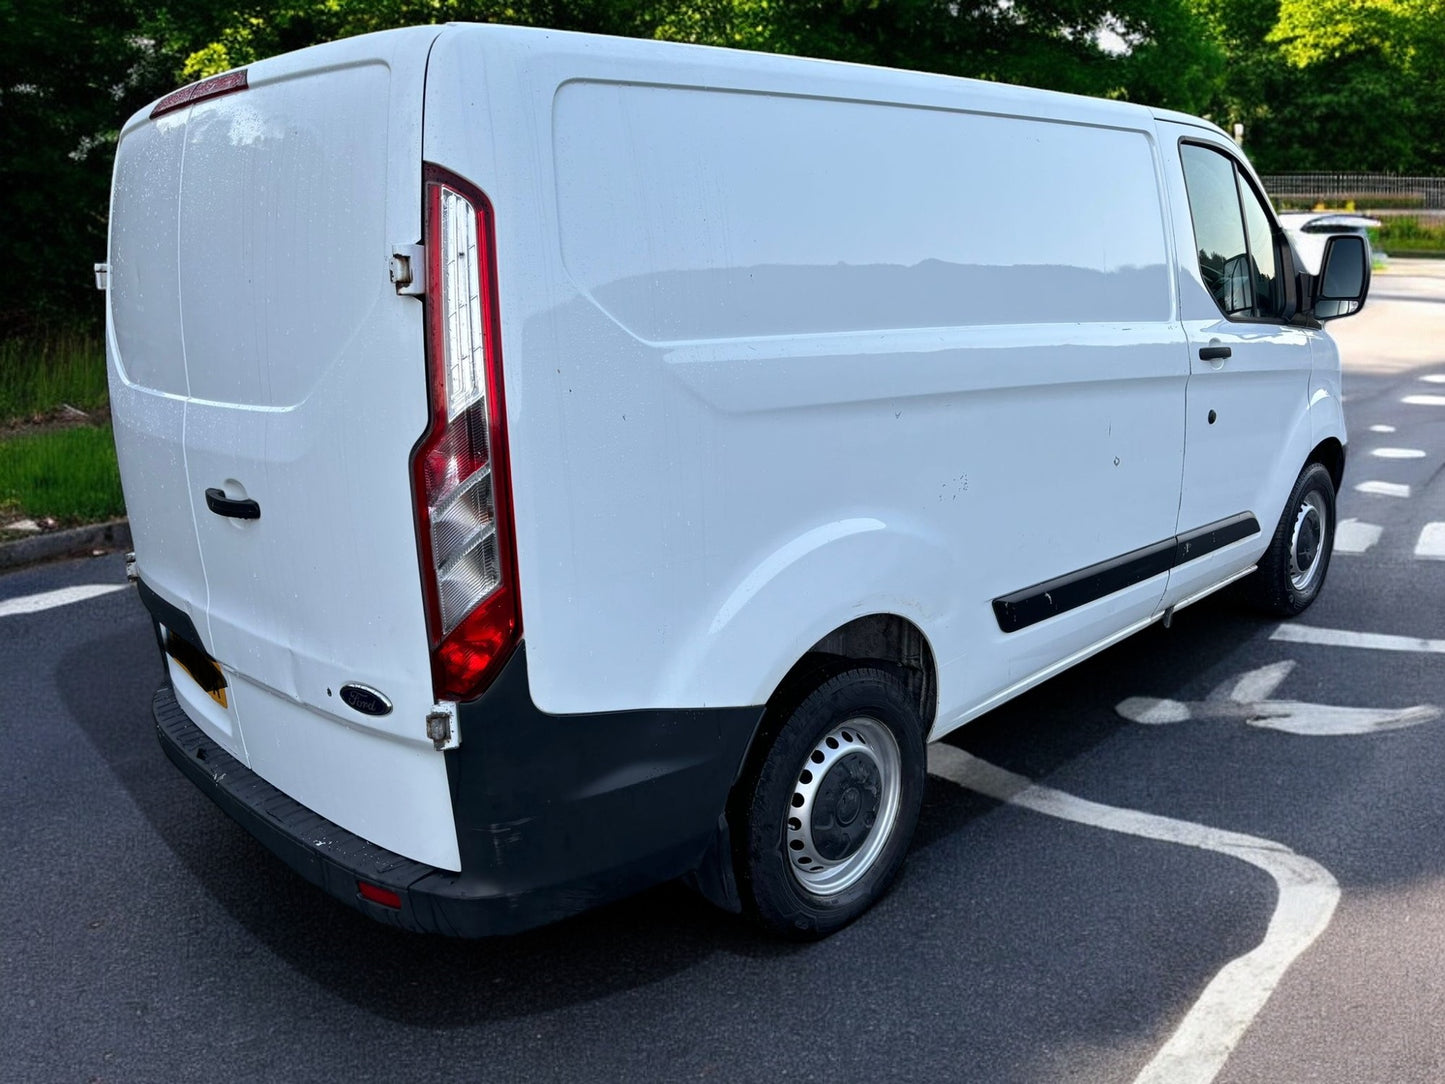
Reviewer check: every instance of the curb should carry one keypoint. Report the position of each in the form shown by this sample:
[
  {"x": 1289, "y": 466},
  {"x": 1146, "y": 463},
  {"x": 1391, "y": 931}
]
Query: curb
[{"x": 74, "y": 542}]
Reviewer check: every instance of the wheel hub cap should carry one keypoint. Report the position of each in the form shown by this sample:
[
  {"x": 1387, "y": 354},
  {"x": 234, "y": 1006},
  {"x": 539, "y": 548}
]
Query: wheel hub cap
[
  {"x": 1306, "y": 542},
  {"x": 843, "y": 806},
  {"x": 852, "y": 786}
]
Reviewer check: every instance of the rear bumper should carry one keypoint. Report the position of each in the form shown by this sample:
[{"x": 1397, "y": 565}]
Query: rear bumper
[{"x": 554, "y": 814}]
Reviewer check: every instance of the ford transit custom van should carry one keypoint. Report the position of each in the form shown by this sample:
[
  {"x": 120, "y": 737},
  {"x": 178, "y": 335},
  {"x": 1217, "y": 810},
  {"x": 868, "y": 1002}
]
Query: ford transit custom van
[{"x": 559, "y": 464}]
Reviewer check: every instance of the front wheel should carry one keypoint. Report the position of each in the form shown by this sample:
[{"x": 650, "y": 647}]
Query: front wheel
[
  {"x": 1292, "y": 570},
  {"x": 832, "y": 805}
]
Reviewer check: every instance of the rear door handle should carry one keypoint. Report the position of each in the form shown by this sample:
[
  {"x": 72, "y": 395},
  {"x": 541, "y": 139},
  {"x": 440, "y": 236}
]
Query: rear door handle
[
  {"x": 1214, "y": 353},
  {"x": 222, "y": 505}
]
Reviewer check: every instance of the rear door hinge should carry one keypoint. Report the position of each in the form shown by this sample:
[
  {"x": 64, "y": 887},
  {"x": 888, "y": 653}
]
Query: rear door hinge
[
  {"x": 102, "y": 276},
  {"x": 407, "y": 267},
  {"x": 441, "y": 726}
]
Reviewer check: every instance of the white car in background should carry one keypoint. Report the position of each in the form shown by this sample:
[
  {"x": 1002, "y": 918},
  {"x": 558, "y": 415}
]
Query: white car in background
[{"x": 1309, "y": 230}]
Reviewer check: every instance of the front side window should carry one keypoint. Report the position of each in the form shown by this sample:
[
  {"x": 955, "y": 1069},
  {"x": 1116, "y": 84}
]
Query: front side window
[
  {"x": 1233, "y": 236},
  {"x": 1268, "y": 286}
]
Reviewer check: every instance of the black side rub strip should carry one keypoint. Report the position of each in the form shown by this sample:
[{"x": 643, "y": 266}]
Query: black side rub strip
[
  {"x": 1213, "y": 536},
  {"x": 1044, "y": 600},
  {"x": 1033, "y": 604}
]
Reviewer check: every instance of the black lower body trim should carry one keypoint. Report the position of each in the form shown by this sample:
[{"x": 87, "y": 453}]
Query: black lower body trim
[
  {"x": 163, "y": 612},
  {"x": 554, "y": 814},
  {"x": 1033, "y": 604},
  {"x": 1214, "y": 536},
  {"x": 326, "y": 855}
]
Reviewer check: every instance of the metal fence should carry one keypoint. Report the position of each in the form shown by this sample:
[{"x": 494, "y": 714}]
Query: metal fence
[{"x": 1369, "y": 191}]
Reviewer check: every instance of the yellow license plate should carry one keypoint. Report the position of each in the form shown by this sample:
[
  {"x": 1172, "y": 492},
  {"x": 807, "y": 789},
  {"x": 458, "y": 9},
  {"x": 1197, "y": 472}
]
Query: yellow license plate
[{"x": 203, "y": 669}]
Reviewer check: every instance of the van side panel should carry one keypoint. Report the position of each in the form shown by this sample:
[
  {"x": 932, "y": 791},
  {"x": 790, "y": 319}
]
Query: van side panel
[
  {"x": 787, "y": 343},
  {"x": 703, "y": 215}
]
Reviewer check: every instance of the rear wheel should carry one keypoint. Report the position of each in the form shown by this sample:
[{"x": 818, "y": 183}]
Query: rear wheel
[
  {"x": 831, "y": 806},
  {"x": 1292, "y": 570}
]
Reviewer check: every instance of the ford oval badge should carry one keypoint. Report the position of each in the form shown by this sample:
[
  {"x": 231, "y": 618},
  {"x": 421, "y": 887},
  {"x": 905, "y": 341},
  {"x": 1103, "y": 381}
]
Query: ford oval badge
[{"x": 365, "y": 699}]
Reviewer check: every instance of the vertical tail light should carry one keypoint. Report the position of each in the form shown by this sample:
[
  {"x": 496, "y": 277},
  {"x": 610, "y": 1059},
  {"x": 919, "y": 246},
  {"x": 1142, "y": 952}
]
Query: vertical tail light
[{"x": 459, "y": 468}]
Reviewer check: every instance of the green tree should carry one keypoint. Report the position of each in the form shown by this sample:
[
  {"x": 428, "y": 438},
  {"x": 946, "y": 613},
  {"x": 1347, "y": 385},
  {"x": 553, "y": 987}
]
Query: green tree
[
  {"x": 67, "y": 71},
  {"x": 1362, "y": 88},
  {"x": 71, "y": 75},
  {"x": 1166, "y": 58}
]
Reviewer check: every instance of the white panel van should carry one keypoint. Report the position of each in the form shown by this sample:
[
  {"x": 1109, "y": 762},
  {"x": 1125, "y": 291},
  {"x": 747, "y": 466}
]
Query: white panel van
[{"x": 559, "y": 463}]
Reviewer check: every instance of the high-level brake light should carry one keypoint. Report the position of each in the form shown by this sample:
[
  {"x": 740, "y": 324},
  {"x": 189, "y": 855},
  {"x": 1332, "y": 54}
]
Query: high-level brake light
[
  {"x": 214, "y": 87},
  {"x": 460, "y": 476}
]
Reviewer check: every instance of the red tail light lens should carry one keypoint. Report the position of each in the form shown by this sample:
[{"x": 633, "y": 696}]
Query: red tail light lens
[{"x": 460, "y": 476}]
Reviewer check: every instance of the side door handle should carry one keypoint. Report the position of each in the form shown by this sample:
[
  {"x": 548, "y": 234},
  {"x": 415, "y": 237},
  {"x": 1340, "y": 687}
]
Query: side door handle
[
  {"x": 1214, "y": 353},
  {"x": 222, "y": 505}
]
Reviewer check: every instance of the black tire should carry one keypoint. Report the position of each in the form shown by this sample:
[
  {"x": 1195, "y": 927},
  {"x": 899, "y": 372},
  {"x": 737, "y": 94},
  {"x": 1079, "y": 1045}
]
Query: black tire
[
  {"x": 1292, "y": 570},
  {"x": 862, "y": 727}
]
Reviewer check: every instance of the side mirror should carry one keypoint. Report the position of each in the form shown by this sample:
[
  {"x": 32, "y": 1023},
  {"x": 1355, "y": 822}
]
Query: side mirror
[{"x": 1344, "y": 278}]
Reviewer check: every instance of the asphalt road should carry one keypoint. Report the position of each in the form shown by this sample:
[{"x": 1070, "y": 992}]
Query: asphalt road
[{"x": 146, "y": 937}]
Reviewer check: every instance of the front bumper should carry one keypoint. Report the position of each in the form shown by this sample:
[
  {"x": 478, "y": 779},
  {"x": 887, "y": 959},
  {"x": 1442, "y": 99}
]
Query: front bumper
[{"x": 554, "y": 814}]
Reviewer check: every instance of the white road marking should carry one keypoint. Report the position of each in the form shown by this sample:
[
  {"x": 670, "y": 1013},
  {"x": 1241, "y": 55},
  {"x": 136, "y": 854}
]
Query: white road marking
[
  {"x": 1398, "y": 453},
  {"x": 1209, "y": 1032},
  {"x": 1352, "y": 536},
  {"x": 1431, "y": 544},
  {"x": 1247, "y": 699},
  {"x": 1376, "y": 641},
  {"x": 1330, "y": 721},
  {"x": 1424, "y": 400},
  {"x": 1434, "y": 378},
  {"x": 64, "y": 596},
  {"x": 1382, "y": 429},
  {"x": 1152, "y": 711},
  {"x": 1260, "y": 684},
  {"x": 1384, "y": 489}
]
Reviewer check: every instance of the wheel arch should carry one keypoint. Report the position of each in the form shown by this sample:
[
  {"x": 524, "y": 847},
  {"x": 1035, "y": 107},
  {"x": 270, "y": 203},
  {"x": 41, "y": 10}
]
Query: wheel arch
[
  {"x": 1330, "y": 454},
  {"x": 887, "y": 641}
]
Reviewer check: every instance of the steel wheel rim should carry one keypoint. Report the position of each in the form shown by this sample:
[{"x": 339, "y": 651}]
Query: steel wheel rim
[
  {"x": 1307, "y": 542},
  {"x": 832, "y": 799}
]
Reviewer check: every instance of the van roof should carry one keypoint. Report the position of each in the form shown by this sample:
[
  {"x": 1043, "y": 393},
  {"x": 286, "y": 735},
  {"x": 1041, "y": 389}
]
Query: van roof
[
  {"x": 1188, "y": 118},
  {"x": 835, "y": 76},
  {"x": 935, "y": 88}
]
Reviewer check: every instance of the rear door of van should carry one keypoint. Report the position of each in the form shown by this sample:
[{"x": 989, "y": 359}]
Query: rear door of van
[{"x": 269, "y": 386}]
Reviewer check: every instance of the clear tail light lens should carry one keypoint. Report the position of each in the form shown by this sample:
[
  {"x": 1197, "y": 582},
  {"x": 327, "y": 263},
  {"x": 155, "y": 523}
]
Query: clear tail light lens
[{"x": 460, "y": 475}]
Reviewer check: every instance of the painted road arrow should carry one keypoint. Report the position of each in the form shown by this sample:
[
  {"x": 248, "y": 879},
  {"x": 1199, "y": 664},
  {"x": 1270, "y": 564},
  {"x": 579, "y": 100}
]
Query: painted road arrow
[{"x": 1247, "y": 700}]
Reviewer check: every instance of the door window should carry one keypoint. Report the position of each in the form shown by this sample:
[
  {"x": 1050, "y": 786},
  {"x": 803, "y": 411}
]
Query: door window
[{"x": 1233, "y": 235}]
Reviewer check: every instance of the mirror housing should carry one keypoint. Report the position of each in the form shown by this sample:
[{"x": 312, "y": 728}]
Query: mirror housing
[{"x": 1344, "y": 279}]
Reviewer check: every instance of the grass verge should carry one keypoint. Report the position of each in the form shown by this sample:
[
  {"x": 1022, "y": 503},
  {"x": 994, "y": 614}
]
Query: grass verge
[
  {"x": 40, "y": 372},
  {"x": 1407, "y": 235},
  {"x": 68, "y": 474},
  {"x": 1410, "y": 235}
]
